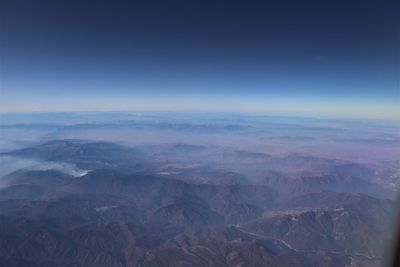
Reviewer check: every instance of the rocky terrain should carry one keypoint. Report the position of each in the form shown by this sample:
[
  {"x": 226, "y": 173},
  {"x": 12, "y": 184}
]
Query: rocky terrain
[{"x": 105, "y": 204}]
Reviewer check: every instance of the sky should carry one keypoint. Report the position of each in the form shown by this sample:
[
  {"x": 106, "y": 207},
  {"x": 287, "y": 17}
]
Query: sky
[{"x": 333, "y": 58}]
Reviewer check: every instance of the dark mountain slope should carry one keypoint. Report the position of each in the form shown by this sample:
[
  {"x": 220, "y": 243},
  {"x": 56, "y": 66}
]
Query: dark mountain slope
[{"x": 340, "y": 230}]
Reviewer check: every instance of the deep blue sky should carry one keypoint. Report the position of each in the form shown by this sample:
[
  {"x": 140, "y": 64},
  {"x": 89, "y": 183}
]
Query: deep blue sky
[{"x": 305, "y": 57}]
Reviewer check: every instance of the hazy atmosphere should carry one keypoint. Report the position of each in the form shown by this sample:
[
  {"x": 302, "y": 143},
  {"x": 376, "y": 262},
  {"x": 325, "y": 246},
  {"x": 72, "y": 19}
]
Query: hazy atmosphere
[{"x": 199, "y": 133}]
